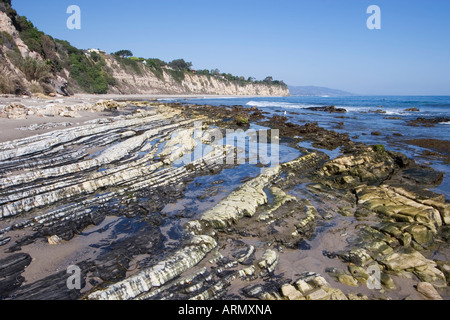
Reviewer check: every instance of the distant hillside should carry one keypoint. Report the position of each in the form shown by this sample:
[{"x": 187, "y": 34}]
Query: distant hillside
[
  {"x": 34, "y": 62},
  {"x": 317, "y": 91}
]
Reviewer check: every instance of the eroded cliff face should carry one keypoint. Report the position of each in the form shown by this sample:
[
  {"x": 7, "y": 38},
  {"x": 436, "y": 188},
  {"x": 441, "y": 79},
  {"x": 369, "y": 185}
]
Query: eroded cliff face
[{"x": 148, "y": 83}]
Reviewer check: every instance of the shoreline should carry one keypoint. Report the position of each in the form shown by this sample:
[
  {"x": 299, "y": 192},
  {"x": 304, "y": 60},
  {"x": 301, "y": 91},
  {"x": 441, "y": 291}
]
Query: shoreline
[
  {"x": 319, "y": 190},
  {"x": 9, "y": 128}
]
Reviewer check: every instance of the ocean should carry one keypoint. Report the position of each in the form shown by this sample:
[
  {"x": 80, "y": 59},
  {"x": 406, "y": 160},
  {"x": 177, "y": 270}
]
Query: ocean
[{"x": 386, "y": 115}]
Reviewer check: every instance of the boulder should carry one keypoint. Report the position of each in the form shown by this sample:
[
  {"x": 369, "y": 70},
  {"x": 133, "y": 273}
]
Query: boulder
[
  {"x": 410, "y": 259},
  {"x": 428, "y": 291},
  {"x": 342, "y": 277},
  {"x": 422, "y": 235},
  {"x": 291, "y": 293},
  {"x": 359, "y": 273},
  {"x": 303, "y": 286},
  {"x": 412, "y": 110},
  {"x": 387, "y": 281},
  {"x": 16, "y": 111},
  {"x": 330, "y": 109},
  {"x": 318, "y": 294},
  {"x": 400, "y": 205},
  {"x": 414, "y": 261}
]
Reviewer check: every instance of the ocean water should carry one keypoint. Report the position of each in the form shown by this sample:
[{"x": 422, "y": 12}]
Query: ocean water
[{"x": 360, "y": 120}]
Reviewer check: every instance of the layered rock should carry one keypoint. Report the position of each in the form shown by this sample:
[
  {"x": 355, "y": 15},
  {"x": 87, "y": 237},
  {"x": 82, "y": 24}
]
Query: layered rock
[{"x": 158, "y": 275}]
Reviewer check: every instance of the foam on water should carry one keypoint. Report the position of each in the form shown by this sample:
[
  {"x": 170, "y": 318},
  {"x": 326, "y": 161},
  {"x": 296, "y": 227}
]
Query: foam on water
[{"x": 278, "y": 104}]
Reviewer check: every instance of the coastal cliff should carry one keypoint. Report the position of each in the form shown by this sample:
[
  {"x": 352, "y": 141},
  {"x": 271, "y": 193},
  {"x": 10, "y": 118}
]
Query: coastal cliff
[
  {"x": 33, "y": 62},
  {"x": 146, "y": 82}
]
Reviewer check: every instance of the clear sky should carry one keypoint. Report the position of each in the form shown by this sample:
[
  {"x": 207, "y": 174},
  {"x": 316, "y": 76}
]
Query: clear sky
[{"x": 303, "y": 42}]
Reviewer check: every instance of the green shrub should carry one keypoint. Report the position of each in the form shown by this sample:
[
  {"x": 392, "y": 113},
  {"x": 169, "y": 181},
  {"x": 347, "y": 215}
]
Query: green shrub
[
  {"x": 180, "y": 64},
  {"x": 7, "y": 81},
  {"x": 379, "y": 148},
  {"x": 158, "y": 72},
  {"x": 241, "y": 121},
  {"x": 34, "y": 69},
  {"x": 8, "y": 41},
  {"x": 95, "y": 56},
  {"x": 177, "y": 75},
  {"x": 36, "y": 87},
  {"x": 89, "y": 75},
  {"x": 130, "y": 65},
  {"x": 29, "y": 34}
]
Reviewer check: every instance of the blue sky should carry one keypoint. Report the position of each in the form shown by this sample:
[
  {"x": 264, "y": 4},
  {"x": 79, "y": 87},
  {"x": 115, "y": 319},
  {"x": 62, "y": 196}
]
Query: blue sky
[{"x": 303, "y": 42}]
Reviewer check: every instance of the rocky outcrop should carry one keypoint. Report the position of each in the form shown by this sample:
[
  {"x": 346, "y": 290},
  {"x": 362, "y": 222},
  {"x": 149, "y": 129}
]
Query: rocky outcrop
[
  {"x": 11, "y": 269},
  {"x": 156, "y": 276},
  {"x": 410, "y": 216},
  {"x": 165, "y": 224},
  {"x": 329, "y": 109}
]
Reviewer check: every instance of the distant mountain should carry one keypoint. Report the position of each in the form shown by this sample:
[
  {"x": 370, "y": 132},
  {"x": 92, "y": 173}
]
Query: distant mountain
[{"x": 317, "y": 91}]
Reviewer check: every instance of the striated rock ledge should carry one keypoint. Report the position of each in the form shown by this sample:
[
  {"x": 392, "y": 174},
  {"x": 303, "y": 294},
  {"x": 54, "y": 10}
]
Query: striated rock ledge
[{"x": 156, "y": 276}]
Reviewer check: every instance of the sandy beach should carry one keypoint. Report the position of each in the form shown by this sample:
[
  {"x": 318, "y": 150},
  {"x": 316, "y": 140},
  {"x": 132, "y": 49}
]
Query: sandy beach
[{"x": 12, "y": 129}]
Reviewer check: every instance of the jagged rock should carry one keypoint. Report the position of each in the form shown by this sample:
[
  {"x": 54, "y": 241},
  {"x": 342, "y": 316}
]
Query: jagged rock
[
  {"x": 411, "y": 260},
  {"x": 387, "y": 281},
  {"x": 428, "y": 291},
  {"x": 359, "y": 273},
  {"x": 318, "y": 294},
  {"x": 359, "y": 257},
  {"x": 241, "y": 202},
  {"x": 444, "y": 266},
  {"x": 246, "y": 199},
  {"x": 342, "y": 277},
  {"x": 103, "y": 105},
  {"x": 16, "y": 111},
  {"x": 303, "y": 286},
  {"x": 158, "y": 275},
  {"x": 422, "y": 235},
  {"x": 291, "y": 293},
  {"x": 363, "y": 166},
  {"x": 412, "y": 109},
  {"x": 330, "y": 109},
  {"x": 357, "y": 296},
  {"x": 11, "y": 269},
  {"x": 269, "y": 262},
  {"x": 396, "y": 203},
  {"x": 54, "y": 240}
]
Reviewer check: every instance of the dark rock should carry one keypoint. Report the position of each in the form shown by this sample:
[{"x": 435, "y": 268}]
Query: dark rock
[
  {"x": 11, "y": 269},
  {"x": 423, "y": 121},
  {"x": 441, "y": 146},
  {"x": 424, "y": 175},
  {"x": 330, "y": 109}
]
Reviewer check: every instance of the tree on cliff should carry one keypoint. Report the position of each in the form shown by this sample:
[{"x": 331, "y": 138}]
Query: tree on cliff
[
  {"x": 123, "y": 54},
  {"x": 180, "y": 64},
  {"x": 268, "y": 80}
]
